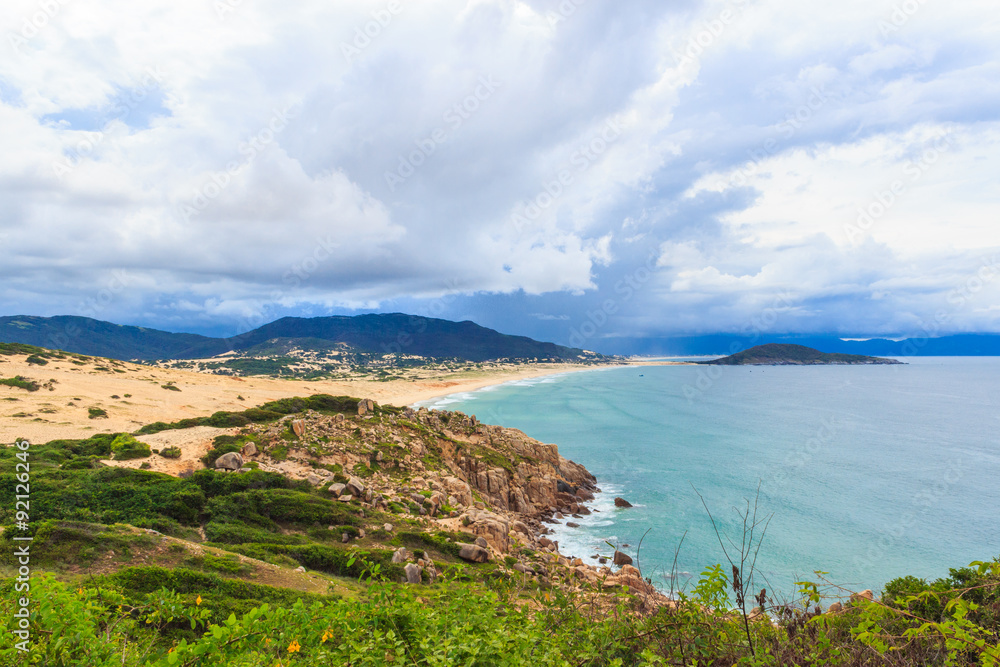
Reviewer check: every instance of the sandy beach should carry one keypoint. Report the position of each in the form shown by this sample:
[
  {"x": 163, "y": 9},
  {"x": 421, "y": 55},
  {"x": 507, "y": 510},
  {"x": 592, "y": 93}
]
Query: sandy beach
[{"x": 133, "y": 395}]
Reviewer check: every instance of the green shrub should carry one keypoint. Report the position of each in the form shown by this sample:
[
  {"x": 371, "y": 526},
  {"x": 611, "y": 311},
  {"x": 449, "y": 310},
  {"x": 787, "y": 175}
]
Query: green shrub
[
  {"x": 238, "y": 533},
  {"x": 21, "y": 383},
  {"x": 36, "y": 360},
  {"x": 97, "y": 413},
  {"x": 125, "y": 447},
  {"x": 171, "y": 452},
  {"x": 266, "y": 413}
]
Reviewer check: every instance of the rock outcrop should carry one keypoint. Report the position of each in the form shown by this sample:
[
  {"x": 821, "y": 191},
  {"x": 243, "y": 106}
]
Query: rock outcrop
[
  {"x": 449, "y": 473},
  {"x": 230, "y": 461}
]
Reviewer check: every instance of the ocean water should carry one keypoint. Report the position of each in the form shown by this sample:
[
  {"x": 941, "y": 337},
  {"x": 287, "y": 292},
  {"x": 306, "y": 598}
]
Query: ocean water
[{"x": 866, "y": 472}]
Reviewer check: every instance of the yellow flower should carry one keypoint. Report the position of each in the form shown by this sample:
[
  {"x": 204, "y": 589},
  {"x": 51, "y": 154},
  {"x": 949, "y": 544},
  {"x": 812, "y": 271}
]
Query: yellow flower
[
  {"x": 79, "y": 591},
  {"x": 198, "y": 601},
  {"x": 326, "y": 635},
  {"x": 294, "y": 647}
]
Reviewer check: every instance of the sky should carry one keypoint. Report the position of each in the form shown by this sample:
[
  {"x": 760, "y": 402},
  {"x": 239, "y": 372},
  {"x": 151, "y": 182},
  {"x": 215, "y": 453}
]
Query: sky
[{"x": 579, "y": 171}]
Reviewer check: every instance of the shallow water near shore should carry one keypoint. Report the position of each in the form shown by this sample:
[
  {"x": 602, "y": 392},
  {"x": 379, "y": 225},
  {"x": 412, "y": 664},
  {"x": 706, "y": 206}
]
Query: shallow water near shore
[{"x": 871, "y": 472}]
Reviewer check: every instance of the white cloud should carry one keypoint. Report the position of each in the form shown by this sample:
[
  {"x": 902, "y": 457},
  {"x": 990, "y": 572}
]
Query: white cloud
[{"x": 691, "y": 119}]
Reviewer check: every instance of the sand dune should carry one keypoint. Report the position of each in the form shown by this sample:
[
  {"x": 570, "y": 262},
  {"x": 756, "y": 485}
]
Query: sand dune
[{"x": 133, "y": 395}]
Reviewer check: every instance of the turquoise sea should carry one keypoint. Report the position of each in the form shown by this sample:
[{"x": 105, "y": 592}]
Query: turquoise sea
[{"x": 870, "y": 472}]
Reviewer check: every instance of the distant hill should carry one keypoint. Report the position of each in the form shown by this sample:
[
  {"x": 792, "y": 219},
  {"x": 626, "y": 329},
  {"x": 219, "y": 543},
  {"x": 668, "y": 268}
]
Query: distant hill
[
  {"x": 968, "y": 345},
  {"x": 778, "y": 354},
  {"x": 377, "y": 333}
]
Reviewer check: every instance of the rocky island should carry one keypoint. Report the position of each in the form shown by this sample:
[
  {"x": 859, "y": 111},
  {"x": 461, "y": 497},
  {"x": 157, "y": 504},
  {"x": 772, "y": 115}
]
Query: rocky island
[{"x": 780, "y": 354}]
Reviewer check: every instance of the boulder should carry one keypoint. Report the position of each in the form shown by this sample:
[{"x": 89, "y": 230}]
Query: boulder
[
  {"x": 337, "y": 489},
  {"x": 346, "y": 498},
  {"x": 412, "y": 573},
  {"x": 355, "y": 486},
  {"x": 835, "y": 608},
  {"x": 378, "y": 457},
  {"x": 298, "y": 428},
  {"x": 863, "y": 595},
  {"x": 622, "y": 558},
  {"x": 563, "y": 487},
  {"x": 249, "y": 449},
  {"x": 571, "y": 524},
  {"x": 400, "y": 555},
  {"x": 315, "y": 479},
  {"x": 481, "y": 542},
  {"x": 473, "y": 553},
  {"x": 388, "y": 527},
  {"x": 345, "y": 538},
  {"x": 621, "y": 502},
  {"x": 230, "y": 461},
  {"x": 365, "y": 406}
]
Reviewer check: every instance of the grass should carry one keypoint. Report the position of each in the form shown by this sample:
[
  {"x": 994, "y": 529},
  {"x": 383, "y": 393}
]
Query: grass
[
  {"x": 97, "y": 413},
  {"x": 21, "y": 383},
  {"x": 268, "y": 412}
]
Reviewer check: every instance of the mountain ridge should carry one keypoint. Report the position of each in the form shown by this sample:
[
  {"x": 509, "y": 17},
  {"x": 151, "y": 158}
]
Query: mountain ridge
[{"x": 390, "y": 333}]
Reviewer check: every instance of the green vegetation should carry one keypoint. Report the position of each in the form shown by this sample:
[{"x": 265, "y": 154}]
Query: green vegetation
[
  {"x": 171, "y": 452},
  {"x": 10, "y": 349},
  {"x": 21, "y": 383},
  {"x": 126, "y": 447},
  {"x": 36, "y": 360},
  {"x": 784, "y": 354},
  {"x": 170, "y": 386},
  {"x": 204, "y": 611},
  {"x": 268, "y": 412},
  {"x": 154, "y": 616},
  {"x": 97, "y": 413}
]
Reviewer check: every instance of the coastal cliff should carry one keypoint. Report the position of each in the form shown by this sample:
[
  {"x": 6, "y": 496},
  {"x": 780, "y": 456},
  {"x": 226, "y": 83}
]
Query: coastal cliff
[{"x": 450, "y": 470}]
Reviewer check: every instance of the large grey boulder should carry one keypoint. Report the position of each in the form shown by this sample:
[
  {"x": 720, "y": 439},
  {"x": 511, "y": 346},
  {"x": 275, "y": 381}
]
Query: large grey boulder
[
  {"x": 230, "y": 461},
  {"x": 412, "y": 573},
  {"x": 337, "y": 489},
  {"x": 473, "y": 553},
  {"x": 355, "y": 487}
]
